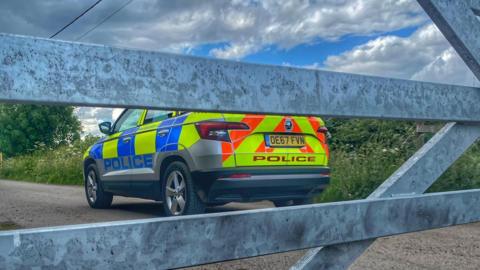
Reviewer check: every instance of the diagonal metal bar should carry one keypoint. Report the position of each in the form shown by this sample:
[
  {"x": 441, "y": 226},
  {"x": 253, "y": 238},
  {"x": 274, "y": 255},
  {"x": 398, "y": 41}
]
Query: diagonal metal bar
[
  {"x": 414, "y": 177},
  {"x": 45, "y": 71},
  {"x": 164, "y": 243},
  {"x": 458, "y": 22}
]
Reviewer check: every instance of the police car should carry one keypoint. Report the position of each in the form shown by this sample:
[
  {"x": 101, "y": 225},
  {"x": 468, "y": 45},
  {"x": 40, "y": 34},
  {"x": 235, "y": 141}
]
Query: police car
[{"x": 190, "y": 160}]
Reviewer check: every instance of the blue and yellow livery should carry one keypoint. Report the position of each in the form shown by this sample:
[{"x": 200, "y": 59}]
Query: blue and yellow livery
[{"x": 190, "y": 160}]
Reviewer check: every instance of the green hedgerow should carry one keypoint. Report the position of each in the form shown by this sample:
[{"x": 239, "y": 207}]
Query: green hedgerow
[
  {"x": 363, "y": 154},
  {"x": 61, "y": 165}
]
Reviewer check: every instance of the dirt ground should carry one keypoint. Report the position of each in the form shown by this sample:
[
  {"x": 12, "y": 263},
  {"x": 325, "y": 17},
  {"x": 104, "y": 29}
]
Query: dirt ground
[{"x": 28, "y": 205}]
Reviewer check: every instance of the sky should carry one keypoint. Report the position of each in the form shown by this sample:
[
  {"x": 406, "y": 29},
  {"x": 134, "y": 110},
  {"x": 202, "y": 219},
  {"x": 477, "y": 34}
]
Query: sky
[{"x": 389, "y": 38}]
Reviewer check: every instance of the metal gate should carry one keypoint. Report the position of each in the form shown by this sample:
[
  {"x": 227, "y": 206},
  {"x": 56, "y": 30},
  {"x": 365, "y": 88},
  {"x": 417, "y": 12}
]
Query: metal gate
[{"x": 35, "y": 70}]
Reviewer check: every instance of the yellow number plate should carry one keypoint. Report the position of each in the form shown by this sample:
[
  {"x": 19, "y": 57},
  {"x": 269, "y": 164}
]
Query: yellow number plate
[{"x": 285, "y": 140}]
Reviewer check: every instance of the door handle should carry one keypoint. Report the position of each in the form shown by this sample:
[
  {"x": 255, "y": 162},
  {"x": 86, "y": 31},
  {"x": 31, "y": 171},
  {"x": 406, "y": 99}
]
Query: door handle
[
  {"x": 162, "y": 132},
  {"x": 126, "y": 139}
]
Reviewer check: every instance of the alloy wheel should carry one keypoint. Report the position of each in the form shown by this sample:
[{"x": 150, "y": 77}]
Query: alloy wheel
[
  {"x": 176, "y": 193},
  {"x": 92, "y": 186}
]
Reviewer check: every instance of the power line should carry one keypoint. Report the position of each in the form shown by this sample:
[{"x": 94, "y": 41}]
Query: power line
[
  {"x": 104, "y": 20},
  {"x": 78, "y": 17}
]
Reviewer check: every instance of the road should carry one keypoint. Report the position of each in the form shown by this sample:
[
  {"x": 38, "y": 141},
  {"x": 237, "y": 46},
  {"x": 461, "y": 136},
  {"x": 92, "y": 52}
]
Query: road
[{"x": 28, "y": 205}]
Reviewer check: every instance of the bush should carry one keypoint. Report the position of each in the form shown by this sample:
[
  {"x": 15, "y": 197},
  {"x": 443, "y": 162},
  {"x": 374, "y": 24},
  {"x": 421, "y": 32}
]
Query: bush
[
  {"x": 62, "y": 165},
  {"x": 355, "y": 174},
  {"x": 366, "y": 152},
  {"x": 27, "y": 128}
]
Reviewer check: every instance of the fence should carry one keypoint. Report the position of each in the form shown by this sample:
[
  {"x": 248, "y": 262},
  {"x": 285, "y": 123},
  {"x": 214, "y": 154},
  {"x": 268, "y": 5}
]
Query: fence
[{"x": 34, "y": 70}]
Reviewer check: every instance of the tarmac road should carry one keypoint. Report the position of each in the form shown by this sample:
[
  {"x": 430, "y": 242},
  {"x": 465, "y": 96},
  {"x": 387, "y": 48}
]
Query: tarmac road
[{"x": 30, "y": 205}]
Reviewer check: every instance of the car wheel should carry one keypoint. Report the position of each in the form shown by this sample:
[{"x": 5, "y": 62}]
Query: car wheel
[
  {"x": 96, "y": 197},
  {"x": 293, "y": 202},
  {"x": 179, "y": 191}
]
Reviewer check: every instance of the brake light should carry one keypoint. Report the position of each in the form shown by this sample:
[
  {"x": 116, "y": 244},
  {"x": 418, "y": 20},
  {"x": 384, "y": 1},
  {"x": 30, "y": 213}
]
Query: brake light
[
  {"x": 323, "y": 130},
  {"x": 218, "y": 131}
]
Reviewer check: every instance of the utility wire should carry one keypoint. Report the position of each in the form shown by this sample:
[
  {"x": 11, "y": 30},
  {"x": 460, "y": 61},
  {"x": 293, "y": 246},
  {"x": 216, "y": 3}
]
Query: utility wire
[
  {"x": 78, "y": 17},
  {"x": 104, "y": 20}
]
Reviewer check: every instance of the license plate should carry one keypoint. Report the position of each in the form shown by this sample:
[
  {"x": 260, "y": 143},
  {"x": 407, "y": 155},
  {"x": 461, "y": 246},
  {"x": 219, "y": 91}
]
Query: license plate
[{"x": 285, "y": 140}]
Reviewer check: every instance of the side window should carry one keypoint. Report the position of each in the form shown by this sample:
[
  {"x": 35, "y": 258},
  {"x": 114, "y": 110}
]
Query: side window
[
  {"x": 156, "y": 115},
  {"x": 128, "y": 120}
]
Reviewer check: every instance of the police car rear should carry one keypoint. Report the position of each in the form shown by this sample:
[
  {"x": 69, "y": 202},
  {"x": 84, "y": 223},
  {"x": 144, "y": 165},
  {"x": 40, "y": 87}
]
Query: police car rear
[{"x": 190, "y": 160}]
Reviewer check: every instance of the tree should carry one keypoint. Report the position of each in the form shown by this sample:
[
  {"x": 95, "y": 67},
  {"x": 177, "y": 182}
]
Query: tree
[{"x": 25, "y": 128}]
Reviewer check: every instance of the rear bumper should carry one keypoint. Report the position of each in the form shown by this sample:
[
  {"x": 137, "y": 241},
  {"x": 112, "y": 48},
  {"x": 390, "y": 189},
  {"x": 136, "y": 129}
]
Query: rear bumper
[{"x": 254, "y": 184}]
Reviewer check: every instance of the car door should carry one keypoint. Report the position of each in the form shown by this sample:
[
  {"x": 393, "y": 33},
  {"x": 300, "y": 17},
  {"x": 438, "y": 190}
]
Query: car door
[
  {"x": 150, "y": 138},
  {"x": 118, "y": 162}
]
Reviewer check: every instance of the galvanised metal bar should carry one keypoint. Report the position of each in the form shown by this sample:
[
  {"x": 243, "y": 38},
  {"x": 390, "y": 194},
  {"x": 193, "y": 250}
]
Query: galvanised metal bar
[
  {"x": 163, "y": 243},
  {"x": 34, "y": 70},
  {"x": 458, "y": 22},
  {"x": 415, "y": 176}
]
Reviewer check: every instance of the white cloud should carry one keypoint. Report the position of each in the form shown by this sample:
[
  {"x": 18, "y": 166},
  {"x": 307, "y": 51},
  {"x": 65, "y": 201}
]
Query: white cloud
[
  {"x": 235, "y": 51},
  {"x": 244, "y": 26},
  {"x": 425, "y": 55},
  {"x": 392, "y": 56},
  {"x": 448, "y": 67},
  {"x": 249, "y": 28},
  {"x": 91, "y": 117},
  {"x": 116, "y": 113}
]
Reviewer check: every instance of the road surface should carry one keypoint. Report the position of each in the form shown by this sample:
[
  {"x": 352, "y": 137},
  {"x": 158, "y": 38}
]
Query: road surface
[{"x": 28, "y": 205}]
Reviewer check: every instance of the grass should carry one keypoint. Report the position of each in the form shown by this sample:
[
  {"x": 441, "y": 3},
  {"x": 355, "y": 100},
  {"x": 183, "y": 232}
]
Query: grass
[
  {"x": 5, "y": 226},
  {"x": 62, "y": 165},
  {"x": 355, "y": 174}
]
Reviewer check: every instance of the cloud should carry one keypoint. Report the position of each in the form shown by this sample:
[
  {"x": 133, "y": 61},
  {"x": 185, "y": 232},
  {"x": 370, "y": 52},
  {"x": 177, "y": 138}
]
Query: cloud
[
  {"x": 448, "y": 67},
  {"x": 245, "y": 27},
  {"x": 425, "y": 55},
  {"x": 235, "y": 51},
  {"x": 91, "y": 117},
  {"x": 37, "y": 18},
  {"x": 392, "y": 56},
  {"x": 291, "y": 23}
]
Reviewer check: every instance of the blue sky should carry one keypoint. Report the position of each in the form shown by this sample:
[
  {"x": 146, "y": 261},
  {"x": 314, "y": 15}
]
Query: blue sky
[
  {"x": 306, "y": 54},
  {"x": 391, "y": 38}
]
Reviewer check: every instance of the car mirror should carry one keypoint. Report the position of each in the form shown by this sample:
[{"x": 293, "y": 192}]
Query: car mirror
[{"x": 105, "y": 128}]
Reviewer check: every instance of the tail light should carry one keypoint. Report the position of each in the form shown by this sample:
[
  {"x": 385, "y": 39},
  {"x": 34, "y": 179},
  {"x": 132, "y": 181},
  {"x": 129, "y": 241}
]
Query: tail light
[
  {"x": 218, "y": 131},
  {"x": 324, "y": 130}
]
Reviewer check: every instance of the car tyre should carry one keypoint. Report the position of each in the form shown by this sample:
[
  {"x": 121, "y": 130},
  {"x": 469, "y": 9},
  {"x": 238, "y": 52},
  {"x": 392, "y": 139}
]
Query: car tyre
[
  {"x": 179, "y": 191},
  {"x": 96, "y": 196}
]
